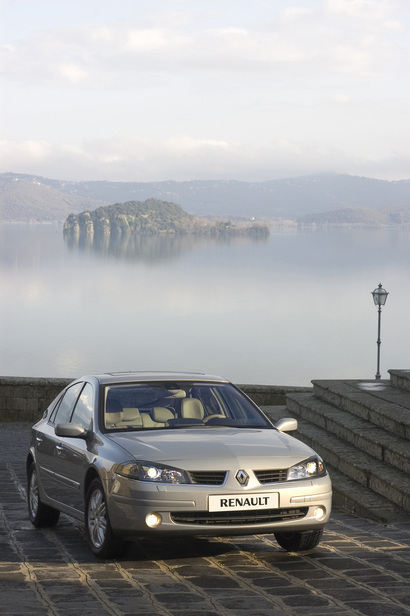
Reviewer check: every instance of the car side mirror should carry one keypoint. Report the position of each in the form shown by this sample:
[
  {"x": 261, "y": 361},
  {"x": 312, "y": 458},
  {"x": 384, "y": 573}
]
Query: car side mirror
[
  {"x": 70, "y": 430},
  {"x": 287, "y": 424}
]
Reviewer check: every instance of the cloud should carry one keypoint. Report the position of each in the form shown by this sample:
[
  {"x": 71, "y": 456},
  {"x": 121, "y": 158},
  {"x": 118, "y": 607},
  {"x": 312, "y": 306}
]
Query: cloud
[
  {"x": 236, "y": 89},
  {"x": 344, "y": 36},
  {"x": 30, "y": 152},
  {"x": 145, "y": 40},
  {"x": 126, "y": 158},
  {"x": 368, "y": 12},
  {"x": 73, "y": 73}
]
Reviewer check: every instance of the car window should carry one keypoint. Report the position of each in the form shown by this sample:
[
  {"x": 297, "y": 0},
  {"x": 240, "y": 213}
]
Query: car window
[
  {"x": 225, "y": 401},
  {"x": 62, "y": 412},
  {"x": 83, "y": 410}
]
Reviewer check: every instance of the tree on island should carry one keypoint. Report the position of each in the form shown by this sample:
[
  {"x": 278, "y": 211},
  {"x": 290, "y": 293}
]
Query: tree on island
[{"x": 152, "y": 217}]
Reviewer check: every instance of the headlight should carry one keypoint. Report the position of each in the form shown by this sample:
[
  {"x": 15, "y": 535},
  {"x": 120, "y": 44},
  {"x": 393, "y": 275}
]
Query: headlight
[
  {"x": 313, "y": 467},
  {"x": 145, "y": 471}
]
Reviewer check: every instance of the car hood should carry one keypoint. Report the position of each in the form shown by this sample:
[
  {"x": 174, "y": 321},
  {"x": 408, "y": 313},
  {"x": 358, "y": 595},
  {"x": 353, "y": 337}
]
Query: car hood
[{"x": 209, "y": 446}]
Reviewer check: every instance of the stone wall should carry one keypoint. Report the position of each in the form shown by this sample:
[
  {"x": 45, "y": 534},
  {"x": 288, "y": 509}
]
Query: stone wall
[{"x": 26, "y": 399}]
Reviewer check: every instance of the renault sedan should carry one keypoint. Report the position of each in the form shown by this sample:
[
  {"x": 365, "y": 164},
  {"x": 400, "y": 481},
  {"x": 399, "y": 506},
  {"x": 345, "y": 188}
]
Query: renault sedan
[{"x": 160, "y": 454}]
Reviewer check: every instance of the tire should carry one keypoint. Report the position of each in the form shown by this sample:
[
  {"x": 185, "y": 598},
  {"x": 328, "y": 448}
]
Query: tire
[
  {"x": 299, "y": 541},
  {"x": 101, "y": 539},
  {"x": 41, "y": 515}
]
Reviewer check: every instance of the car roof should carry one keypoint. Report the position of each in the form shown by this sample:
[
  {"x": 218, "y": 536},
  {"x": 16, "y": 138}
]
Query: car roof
[{"x": 135, "y": 377}]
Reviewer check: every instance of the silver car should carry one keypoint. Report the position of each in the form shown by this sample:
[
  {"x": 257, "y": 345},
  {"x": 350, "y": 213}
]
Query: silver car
[{"x": 162, "y": 454}]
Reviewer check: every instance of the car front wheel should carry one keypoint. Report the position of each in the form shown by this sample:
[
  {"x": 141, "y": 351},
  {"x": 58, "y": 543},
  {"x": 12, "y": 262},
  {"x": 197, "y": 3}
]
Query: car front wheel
[
  {"x": 101, "y": 539},
  {"x": 299, "y": 541},
  {"x": 40, "y": 515}
]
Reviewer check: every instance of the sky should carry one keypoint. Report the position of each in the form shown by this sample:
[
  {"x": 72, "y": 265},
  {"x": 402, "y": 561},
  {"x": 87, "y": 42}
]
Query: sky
[{"x": 155, "y": 90}]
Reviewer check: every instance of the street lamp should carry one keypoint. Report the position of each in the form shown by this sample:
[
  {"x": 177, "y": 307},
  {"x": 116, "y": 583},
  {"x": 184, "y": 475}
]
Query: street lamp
[{"x": 379, "y": 298}]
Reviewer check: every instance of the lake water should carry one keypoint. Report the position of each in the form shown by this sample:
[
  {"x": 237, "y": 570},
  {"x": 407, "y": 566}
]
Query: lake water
[{"x": 281, "y": 311}]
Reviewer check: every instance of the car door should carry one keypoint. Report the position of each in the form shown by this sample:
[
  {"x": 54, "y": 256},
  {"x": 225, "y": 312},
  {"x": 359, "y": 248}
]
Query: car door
[
  {"x": 73, "y": 454},
  {"x": 49, "y": 463}
]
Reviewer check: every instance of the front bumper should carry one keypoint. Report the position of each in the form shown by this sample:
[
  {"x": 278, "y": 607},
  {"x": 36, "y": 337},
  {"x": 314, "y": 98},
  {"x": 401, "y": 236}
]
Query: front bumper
[{"x": 184, "y": 509}]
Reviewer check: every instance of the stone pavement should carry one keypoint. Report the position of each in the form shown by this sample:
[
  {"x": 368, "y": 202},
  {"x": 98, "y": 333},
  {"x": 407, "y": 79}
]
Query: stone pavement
[{"x": 360, "y": 568}]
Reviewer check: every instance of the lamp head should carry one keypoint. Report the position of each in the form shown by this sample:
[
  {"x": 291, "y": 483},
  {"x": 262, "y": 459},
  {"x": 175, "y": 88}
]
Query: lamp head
[{"x": 379, "y": 296}]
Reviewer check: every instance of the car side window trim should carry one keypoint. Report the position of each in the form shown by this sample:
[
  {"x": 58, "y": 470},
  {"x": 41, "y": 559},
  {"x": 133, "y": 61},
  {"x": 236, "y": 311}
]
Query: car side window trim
[
  {"x": 65, "y": 407},
  {"x": 83, "y": 409}
]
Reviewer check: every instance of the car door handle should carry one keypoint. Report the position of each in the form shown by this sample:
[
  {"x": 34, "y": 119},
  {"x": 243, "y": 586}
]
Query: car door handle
[
  {"x": 60, "y": 449},
  {"x": 39, "y": 440}
]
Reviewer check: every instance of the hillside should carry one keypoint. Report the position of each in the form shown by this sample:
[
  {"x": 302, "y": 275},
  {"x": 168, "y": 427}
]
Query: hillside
[
  {"x": 153, "y": 217},
  {"x": 359, "y": 216},
  {"x": 26, "y": 197}
]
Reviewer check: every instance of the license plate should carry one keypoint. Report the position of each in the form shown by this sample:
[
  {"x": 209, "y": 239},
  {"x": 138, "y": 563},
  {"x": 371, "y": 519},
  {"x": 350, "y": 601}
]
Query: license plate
[{"x": 236, "y": 502}]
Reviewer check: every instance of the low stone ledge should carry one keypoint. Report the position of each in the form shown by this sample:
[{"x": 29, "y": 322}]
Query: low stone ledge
[
  {"x": 26, "y": 398},
  {"x": 272, "y": 395}
]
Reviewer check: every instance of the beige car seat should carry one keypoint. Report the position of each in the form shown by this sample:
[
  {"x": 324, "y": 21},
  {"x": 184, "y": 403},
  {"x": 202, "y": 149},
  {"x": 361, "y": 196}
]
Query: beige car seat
[
  {"x": 113, "y": 413},
  {"x": 191, "y": 408}
]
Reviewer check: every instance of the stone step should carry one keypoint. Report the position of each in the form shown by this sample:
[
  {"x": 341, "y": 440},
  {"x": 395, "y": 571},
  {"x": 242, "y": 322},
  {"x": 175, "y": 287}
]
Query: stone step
[
  {"x": 374, "y": 441},
  {"x": 377, "y": 486},
  {"x": 352, "y": 497},
  {"x": 381, "y": 478},
  {"x": 378, "y": 402}
]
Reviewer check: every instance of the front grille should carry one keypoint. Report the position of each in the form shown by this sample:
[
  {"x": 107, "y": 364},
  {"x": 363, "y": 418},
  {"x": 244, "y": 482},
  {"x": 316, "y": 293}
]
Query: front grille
[
  {"x": 271, "y": 475},
  {"x": 208, "y": 478},
  {"x": 236, "y": 518}
]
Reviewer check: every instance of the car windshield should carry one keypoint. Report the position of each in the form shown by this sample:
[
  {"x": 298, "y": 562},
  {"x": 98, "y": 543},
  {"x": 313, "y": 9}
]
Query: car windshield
[{"x": 165, "y": 405}]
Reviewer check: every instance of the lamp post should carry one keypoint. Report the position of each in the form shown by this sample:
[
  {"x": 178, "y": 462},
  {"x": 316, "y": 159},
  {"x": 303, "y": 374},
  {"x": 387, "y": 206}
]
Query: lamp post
[{"x": 379, "y": 298}]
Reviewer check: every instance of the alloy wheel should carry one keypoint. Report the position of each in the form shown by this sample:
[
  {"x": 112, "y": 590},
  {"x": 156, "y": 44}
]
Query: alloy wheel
[
  {"x": 33, "y": 494},
  {"x": 97, "y": 518}
]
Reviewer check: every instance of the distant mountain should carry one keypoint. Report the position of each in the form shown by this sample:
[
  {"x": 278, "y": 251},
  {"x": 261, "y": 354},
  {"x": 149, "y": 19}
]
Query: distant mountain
[{"x": 27, "y": 197}]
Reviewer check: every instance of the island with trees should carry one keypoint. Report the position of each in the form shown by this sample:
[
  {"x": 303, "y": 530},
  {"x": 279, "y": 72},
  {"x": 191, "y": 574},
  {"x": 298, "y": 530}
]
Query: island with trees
[{"x": 153, "y": 217}]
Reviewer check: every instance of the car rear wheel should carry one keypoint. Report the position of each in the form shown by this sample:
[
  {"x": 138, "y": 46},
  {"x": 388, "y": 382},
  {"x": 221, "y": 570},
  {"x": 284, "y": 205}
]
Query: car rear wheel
[
  {"x": 101, "y": 539},
  {"x": 299, "y": 541},
  {"x": 40, "y": 515}
]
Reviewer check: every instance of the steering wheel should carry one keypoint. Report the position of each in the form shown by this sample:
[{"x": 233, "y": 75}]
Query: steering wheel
[{"x": 214, "y": 416}]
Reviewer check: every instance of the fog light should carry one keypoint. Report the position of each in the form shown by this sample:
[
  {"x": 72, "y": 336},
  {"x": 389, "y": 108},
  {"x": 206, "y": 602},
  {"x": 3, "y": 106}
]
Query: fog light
[
  {"x": 153, "y": 519},
  {"x": 319, "y": 513}
]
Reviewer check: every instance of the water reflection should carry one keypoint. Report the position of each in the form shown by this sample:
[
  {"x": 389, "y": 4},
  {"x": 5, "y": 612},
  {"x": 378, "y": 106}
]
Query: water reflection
[
  {"x": 148, "y": 248},
  {"x": 285, "y": 310}
]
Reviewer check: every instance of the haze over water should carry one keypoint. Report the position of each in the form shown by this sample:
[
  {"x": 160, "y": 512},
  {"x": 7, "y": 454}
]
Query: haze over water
[{"x": 282, "y": 311}]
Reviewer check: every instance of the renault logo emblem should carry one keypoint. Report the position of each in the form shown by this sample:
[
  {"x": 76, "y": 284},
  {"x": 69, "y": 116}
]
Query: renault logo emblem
[{"x": 242, "y": 477}]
